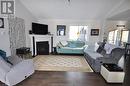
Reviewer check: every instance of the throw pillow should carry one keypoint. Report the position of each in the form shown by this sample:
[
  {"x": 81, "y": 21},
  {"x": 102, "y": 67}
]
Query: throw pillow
[
  {"x": 109, "y": 48},
  {"x": 64, "y": 43},
  {"x": 96, "y": 47},
  {"x": 59, "y": 45},
  {"x": 101, "y": 47},
  {"x": 3, "y": 56}
]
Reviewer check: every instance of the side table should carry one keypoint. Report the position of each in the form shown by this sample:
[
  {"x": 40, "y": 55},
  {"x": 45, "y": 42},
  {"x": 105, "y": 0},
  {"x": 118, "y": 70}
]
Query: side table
[{"x": 24, "y": 53}]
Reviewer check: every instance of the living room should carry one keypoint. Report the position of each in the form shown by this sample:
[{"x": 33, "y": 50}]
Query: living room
[{"x": 72, "y": 29}]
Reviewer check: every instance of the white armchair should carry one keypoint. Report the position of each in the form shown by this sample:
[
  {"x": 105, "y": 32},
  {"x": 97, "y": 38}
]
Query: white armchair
[{"x": 12, "y": 75}]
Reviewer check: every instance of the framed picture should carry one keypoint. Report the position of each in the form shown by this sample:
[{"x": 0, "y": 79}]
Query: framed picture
[
  {"x": 1, "y": 22},
  {"x": 61, "y": 29},
  {"x": 94, "y": 32}
]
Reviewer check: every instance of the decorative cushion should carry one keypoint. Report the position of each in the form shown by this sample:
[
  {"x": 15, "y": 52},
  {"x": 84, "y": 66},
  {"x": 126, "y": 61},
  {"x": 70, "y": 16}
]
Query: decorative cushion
[
  {"x": 99, "y": 50},
  {"x": 64, "y": 43},
  {"x": 59, "y": 45},
  {"x": 96, "y": 47},
  {"x": 109, "y": 48},
  {"x": 101, "y": 47},
  {"x": 3, "y": 56}
]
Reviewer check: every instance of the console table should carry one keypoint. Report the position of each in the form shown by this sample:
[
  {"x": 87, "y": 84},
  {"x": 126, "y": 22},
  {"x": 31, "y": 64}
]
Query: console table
[{"x": 24, "y": 53}]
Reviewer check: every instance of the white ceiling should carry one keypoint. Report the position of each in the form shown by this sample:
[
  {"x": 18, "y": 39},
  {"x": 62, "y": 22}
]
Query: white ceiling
[
  {"x": 125, "y": 15},
  {"x": 76, "y": 9}
]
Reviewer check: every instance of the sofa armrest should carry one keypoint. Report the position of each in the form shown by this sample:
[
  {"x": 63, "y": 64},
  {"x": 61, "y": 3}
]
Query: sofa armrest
[
  {"x": 22, "y": 66},
  {"x": 19, "y": 72},
  {"x": 106, "y": 60},
  {"x": 15, "y": 59}
]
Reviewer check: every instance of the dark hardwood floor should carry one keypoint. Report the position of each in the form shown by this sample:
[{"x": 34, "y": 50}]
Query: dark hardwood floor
[{"x": 64, "y": 79}]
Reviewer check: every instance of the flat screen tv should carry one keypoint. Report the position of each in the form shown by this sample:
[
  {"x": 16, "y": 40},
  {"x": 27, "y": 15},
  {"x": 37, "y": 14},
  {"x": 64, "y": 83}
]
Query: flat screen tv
[{"x": 40, "y": 29}]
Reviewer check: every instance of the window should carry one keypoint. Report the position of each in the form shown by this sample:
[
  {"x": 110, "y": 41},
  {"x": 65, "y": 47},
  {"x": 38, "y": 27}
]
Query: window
[
  {"x": 78, "y": 32},
  {"x": 124, "y": 36},
  {"x": 115, "y": 36},
  {"x": 118, "y": 37},
  {"x": 112, "y": 38}
]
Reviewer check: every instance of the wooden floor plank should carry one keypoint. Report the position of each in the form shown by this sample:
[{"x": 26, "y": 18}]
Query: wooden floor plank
[{"x": 40, "y": 78}]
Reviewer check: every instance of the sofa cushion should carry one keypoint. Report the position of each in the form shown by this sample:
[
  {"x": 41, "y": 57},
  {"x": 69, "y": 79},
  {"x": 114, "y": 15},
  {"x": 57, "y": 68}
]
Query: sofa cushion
[
  {"x": 74, "y": 44},
  {"x": 89, "y": 48},
  {"x": 94, "y": 55},
  {"x": 4, "y": 65},
  {"x": 4, "y": 69},
  {"x": 59, "y": 45},
  {"x": 77, "y": 48},
  {"x": 80, "y": 44}
]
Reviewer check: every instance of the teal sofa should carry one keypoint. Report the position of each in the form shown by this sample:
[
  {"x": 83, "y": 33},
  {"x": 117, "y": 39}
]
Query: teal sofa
[{"x": 71, "y": 47}]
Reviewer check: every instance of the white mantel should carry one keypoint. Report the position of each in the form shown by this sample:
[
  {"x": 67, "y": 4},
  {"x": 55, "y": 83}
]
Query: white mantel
[{"x": 40, "y": 38}]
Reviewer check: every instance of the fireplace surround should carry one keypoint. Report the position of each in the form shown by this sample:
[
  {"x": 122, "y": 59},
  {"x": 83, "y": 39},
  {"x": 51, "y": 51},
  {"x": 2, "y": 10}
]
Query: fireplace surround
[{"x": 36, "y": 39}]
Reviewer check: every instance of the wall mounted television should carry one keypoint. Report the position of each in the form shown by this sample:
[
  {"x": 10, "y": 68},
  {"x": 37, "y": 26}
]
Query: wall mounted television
[{"x": 40, "y": 29}]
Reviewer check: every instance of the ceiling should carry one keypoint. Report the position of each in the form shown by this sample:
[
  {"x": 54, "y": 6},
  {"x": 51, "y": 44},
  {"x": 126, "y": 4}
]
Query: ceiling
[
  {"x": 76, "y": 9},
  {"x": 125, "y": 15}
]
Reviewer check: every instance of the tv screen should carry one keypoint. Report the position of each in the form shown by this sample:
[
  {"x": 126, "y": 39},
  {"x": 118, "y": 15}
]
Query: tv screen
[{"x": 40, "y": 29}]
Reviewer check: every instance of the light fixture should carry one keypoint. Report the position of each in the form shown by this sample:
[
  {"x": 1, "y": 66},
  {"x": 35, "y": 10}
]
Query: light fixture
[
  {"x": 120, "y": 25},
  {"x": 68, "y": 0}
]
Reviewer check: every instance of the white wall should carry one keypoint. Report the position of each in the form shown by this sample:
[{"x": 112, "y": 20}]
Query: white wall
[
  {"x": 4, "y": 36},
  {"x": 112, "y": 25},
  {"x": 52, "y": 27},
  {"x": 21, "y": 12}
]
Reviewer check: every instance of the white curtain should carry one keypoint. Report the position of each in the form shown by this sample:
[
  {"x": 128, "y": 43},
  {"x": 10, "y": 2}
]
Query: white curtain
[{"x": 83, "y": 33}]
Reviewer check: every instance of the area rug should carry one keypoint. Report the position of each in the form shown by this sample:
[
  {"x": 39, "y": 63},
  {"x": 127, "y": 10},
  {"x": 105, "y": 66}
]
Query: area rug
[{"x": 61, "y": 63}]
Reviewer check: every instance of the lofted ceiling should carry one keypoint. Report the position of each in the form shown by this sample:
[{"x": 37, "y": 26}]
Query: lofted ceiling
[{"x": 75, "y": 9}]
